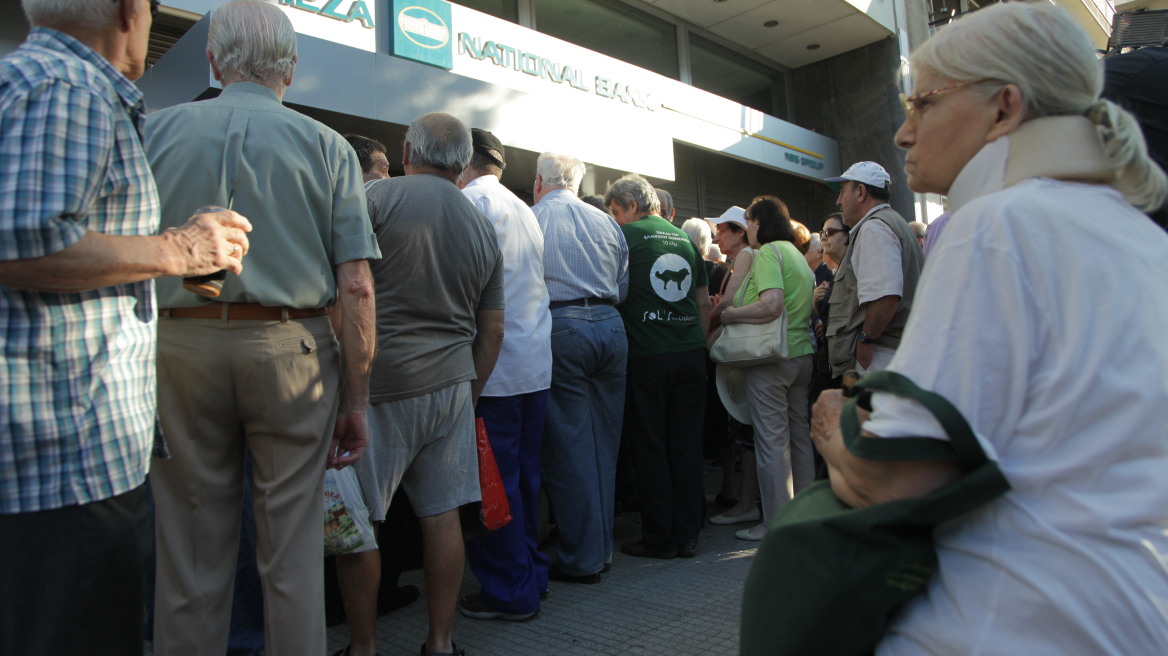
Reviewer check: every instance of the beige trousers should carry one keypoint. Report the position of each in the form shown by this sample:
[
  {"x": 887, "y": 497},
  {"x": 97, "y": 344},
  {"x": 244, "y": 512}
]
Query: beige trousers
[
  {"x": 271, "y": 387},
  {"x": 777, "y": 396}
]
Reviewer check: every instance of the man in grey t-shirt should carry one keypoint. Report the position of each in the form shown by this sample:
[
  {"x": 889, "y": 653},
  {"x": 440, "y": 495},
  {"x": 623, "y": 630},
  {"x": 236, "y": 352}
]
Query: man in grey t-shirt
[{"x": 439, "y": 328}]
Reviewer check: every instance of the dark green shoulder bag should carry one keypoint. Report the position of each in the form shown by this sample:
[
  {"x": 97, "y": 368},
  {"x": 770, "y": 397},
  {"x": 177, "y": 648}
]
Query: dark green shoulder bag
[{"x": 827, "y": 577}]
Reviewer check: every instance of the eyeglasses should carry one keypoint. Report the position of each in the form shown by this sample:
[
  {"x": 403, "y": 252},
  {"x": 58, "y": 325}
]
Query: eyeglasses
[
  {"x": 912, "y": 104},
  {"x": 827, "y": 233}
]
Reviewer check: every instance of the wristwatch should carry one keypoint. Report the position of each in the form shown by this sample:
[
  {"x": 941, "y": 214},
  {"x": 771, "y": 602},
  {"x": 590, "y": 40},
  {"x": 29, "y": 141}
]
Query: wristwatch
[{"x": 865, "y": 339}]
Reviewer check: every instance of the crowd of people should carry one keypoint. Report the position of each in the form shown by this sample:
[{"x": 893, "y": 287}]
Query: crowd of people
[{"x": 315, "y": 313}]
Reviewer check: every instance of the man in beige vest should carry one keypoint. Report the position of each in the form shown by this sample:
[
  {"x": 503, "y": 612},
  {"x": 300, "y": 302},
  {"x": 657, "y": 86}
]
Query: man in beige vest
[{"x": 877, "y": 276}]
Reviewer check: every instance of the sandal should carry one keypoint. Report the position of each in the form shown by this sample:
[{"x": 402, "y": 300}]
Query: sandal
[{"x": 455, "y": 651}]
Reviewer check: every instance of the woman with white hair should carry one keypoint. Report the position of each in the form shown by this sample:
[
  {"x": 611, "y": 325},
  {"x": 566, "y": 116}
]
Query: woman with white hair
[{"x": 1068, "y": 399}]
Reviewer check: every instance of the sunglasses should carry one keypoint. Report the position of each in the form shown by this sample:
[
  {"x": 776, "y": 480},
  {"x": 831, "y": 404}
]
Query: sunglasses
[{"x": 828, "y": 232}]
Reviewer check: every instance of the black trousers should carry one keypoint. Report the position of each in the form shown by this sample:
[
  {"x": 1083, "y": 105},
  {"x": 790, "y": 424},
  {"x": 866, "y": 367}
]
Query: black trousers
[
  {"x": 71, "y": 579},
  {"x": 664, "y": 414}
]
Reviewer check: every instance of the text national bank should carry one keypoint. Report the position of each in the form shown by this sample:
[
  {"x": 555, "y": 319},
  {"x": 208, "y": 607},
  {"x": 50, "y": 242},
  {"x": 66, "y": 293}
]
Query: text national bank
[{"x": 542, "y": 67}]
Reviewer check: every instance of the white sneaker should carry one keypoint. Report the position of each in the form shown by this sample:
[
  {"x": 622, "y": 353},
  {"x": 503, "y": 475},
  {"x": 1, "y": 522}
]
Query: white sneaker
[
  {"x": 752, "y": 515},
  {"x": 754, "y": 534}
]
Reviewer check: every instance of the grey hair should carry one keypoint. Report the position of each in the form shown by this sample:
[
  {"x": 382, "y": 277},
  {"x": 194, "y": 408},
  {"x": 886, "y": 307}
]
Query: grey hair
[
  {"x": 1039, "y": 48},
  {"x": 633, "y": 190},
  {"x": 665, "y": 199},
  {"x": 53, "y": 12},
  {"x": 439, "y": 141},
  {"x": 252, "y": 41},
  {"x": 815, "y": 244},
  {"x": 560, "y": 171},
  {"x": 699, "y": 233}
]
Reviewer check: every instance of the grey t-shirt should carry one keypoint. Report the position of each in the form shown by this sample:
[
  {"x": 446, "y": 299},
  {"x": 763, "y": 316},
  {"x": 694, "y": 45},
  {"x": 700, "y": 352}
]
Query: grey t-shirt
[{"x": 440, "y": 264}]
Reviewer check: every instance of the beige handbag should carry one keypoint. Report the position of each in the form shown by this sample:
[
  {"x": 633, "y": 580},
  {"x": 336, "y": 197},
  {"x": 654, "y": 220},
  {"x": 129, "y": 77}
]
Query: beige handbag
[{"x": 752, "y": 344}]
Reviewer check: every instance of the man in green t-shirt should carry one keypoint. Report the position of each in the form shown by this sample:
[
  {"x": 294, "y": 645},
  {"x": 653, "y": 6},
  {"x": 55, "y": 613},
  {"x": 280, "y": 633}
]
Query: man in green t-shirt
[{"x": 666, "y": 315}]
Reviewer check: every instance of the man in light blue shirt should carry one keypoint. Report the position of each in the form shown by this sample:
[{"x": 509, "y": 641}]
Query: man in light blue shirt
[{"x": 586, "y": 268}]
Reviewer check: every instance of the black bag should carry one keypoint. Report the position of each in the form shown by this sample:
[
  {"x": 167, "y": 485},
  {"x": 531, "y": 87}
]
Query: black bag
[{"x": 827, "y": 577}]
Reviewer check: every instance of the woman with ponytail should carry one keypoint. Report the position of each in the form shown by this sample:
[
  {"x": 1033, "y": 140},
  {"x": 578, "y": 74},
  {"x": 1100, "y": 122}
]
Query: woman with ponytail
[{"x": 1055, "y": 355}]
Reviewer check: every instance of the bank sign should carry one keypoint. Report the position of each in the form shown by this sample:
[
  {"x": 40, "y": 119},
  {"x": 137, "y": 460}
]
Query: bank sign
[
  {"x": 351, "y": 22},
  {"x": 421, "y": 32},
  {"x": 425, "y": 32}
]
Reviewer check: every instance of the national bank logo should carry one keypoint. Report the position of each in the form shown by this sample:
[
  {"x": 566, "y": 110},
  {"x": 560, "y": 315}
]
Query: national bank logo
[{"x": 422, "y": 32}]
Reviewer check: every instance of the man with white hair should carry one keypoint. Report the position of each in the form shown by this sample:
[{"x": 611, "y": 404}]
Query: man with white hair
[
  {"x": 586, "y": 268},
  {"x": 877, "y": 278},
  {"x": 79, "y": 247},
  {"x": 257, "y": 368}
]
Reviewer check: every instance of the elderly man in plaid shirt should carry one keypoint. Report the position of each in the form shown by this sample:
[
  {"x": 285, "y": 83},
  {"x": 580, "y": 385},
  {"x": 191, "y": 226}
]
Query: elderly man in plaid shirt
[{"x": 78, "y": 213}]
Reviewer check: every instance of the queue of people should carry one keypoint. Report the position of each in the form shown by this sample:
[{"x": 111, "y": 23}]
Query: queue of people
[{"x": 353, "y": 319}]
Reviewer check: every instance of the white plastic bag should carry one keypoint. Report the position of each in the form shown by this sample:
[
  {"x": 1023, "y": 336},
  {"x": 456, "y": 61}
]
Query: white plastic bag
[{"x": 347, "y": 528}]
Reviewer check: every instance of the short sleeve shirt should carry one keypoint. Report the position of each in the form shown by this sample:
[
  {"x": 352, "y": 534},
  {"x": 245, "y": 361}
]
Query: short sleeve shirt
[
  {"x": 797, "y": 282},
  {"x": 877, "y": 261},
  {"x": 441, "y": 265},
  {"x": 665, "y": 270},
  {"x": 77, "y": 401},
  {"x": 296, "y": 180}
]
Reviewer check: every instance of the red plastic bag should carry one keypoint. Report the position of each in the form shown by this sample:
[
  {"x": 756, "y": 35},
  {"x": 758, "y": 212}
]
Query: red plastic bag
[{"x": 496, "y": 511}]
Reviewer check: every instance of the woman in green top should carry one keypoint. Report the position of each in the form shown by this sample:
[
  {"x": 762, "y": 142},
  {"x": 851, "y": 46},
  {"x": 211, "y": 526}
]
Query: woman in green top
[{"x": 777, "y": 392}]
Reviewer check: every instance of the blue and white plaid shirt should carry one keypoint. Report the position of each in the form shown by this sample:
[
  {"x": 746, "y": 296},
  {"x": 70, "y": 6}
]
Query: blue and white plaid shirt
[{"x": 77, "y": 386}]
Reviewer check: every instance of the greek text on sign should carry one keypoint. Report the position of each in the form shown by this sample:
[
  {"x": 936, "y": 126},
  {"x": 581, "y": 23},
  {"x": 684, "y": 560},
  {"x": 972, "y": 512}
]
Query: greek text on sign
[{"x": 358, "y": 10}]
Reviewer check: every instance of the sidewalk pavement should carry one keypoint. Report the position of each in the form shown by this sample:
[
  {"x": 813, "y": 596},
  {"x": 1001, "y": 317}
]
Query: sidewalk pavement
[{"x": 678, "y": 607}]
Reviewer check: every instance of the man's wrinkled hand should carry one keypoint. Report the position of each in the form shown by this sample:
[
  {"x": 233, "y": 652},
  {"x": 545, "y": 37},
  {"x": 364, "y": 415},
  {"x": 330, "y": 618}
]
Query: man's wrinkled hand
[
  {"x": 350, "y": 437},
  {"x": 211, "y": 241}
]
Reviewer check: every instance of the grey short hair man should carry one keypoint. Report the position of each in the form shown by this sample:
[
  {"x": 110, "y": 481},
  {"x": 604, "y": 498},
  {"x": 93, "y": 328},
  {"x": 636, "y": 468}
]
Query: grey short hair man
[
  {"x": 666, "y": 318},
  {"x": 665, "y": 200},
  {"x": 258, "y": 369},
  {"x": 79, "y": 249},
  {"x": 438, "y": 339},
  {"x": 586, "y": 264},
  {"x": 631, "y": 198}
]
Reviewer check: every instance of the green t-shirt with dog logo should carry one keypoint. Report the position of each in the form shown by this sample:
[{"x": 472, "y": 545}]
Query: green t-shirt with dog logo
[{"x": 665, "y": 271}]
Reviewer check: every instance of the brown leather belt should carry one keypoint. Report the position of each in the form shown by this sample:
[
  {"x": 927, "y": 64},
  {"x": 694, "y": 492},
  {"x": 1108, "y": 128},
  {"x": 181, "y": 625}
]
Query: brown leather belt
[{"x": 242, "y": 312}]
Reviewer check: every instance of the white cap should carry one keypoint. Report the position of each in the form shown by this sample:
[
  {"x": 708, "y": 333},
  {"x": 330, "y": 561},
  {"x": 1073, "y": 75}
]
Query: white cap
[
  {"x": 734, "y": 215},
  {"x": 869, "y": 173}
]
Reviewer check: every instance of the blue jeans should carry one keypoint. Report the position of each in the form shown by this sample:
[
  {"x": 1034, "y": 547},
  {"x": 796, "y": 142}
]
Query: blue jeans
[{"x": 582, "y": 435}]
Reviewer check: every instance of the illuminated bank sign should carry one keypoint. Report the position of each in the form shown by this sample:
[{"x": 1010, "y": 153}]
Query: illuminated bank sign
[
  {"x": 351, "y": 22},
  {"x": 421, "y": 32},
  {"x": 555, "y": 72}
]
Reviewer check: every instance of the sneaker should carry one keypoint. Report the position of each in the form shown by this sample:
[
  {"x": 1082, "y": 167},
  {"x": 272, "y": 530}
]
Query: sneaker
[
  {"x": 752, "y": 515},
  {"x": 472, "y": 605},
  {"x": 753, "y": 534}
]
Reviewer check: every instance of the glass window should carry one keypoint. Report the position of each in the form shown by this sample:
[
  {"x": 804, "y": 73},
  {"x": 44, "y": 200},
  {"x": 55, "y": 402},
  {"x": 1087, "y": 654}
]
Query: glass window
[
  {"x": 613, "y": 29},
  {"x": 730, "y": 75},
  {"x": 505, "y": 9}
]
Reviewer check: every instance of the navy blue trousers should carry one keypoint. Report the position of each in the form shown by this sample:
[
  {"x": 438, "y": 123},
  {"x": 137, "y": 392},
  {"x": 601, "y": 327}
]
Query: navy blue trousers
[{"x": 508, "y": 562}]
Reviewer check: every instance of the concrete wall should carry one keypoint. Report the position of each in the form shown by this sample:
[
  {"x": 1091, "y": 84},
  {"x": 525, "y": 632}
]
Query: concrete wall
[{"x": 853, "y": 98}]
